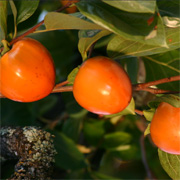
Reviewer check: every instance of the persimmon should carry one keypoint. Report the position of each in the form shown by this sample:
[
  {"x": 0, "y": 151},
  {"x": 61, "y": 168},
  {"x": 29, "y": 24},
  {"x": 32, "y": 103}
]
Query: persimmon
[
  {"x": 72, "y": 9},
  {"x": 27, "y": 71},
  {"x": 165, "y": 128},
  {"x": 102, "y": 86}
]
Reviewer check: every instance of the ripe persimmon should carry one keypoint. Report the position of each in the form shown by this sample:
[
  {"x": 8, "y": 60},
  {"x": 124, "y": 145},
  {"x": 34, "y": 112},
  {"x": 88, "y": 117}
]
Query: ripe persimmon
[
  {"x": 102, "y": 86},
  {"x": 27, "y": 71},
  {"x": 165, "y": 128}
]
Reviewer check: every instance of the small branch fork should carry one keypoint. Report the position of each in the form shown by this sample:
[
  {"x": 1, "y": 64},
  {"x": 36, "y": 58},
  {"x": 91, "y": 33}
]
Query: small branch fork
[
  {"x": 35, "y": 27},
  {"x": 146, "y": 86}
]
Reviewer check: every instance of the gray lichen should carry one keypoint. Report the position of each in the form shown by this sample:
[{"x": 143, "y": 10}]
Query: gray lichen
[{"x": 33, "y": 147}]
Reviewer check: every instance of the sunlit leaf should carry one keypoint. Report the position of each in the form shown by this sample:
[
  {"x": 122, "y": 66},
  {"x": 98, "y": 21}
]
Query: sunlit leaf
[
  {"x": 54, "y": 21},
  {"x": 120, "y": 47}
]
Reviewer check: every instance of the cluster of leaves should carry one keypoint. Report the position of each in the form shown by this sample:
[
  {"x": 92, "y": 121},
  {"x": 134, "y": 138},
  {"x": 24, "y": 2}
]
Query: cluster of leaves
[{"x": 89, "y": 146}]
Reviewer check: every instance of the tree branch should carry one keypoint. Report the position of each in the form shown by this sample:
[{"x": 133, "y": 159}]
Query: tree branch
[
  {"x": 142, "y": 86},
  {"x": 35, "y": 27}
]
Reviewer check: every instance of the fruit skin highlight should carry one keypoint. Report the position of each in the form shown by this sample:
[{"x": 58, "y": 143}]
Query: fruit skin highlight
[
  {"x": 165, "y": 128},
  {"x": 27, "y": 71},
  {"x": 102, "y": 86}
]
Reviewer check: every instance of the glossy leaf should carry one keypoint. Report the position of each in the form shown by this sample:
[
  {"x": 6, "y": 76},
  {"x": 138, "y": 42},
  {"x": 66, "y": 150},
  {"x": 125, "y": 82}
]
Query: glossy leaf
[
  {"x": 120, "y": 47},
  {"x": 115, "y": 139},
  {"x": 25, "y": 9},
  {"x": 170, "y": 163},
  {"x": 3, "y": 19},
  {"x": 54, "y": 21},
  {"x": 68, "y": 157},
  {"x": 125, "y": 23},
  {"x": 137, "y": 6},
  {"x": 87, "y": 38},
  {"x": 161, "y": 66}
]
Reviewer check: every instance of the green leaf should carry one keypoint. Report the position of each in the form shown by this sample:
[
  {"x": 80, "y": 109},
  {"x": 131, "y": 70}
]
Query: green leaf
[
  {"x": 87, "y": 38},
  {"x": 170, "y": 98},
  {"x": 129, "y": 110},
  {"x": 25, "y": 9},
  {"x": 54, "y": 21},
  {"x": 14, "y": 11},
  {"x": 72, "y": 75},
  {"x": 124, "y": 23},
  {"x": 161, "y": 66},
  {"x": 3, "y": 19},
  {"x": 116, "y": 139},
  {"x": 170, "y": 163},
  {"x": 68, "y": 157},
  {"x": 137, "y": 6},
  {"x": 148, "y": 114},
  {"x": 120, "y": 47}
]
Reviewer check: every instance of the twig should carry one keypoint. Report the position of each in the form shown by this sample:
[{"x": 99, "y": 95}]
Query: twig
[
  {"x": 144, "y": 159},
  {"x": 35, "y": 27},
  {"x": 159, "y": 91},
  {"x": 139, "y": 112},
  {"x": 61, "y": 84},
  {"x": 62, "y": 89},
  {"x": 91, "y": 49},
  {"x": 57, "y": 89},
  {"x": 142, "y": 86}
]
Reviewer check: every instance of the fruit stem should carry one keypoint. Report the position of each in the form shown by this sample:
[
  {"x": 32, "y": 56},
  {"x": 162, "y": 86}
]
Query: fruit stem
[
  {"x": 35, "y": 27},
  {"x": 139, "y": 112},
  {"x": 63, "y": 89},
  {"x": 144, "y": 86},
  {"x": 61, "y": 84}
]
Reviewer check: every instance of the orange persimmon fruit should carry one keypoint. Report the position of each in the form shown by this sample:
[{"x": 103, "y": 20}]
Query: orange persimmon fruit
[
  {"x": 165, "y": 128},
  {"x": 102, "y": 86},
  {"x": 27, "y": 71}
]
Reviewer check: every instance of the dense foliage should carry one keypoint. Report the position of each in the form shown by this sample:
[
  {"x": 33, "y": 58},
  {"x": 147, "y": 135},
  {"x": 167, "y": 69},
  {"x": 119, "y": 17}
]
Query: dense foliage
[{"x": 143, "y": 36}]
